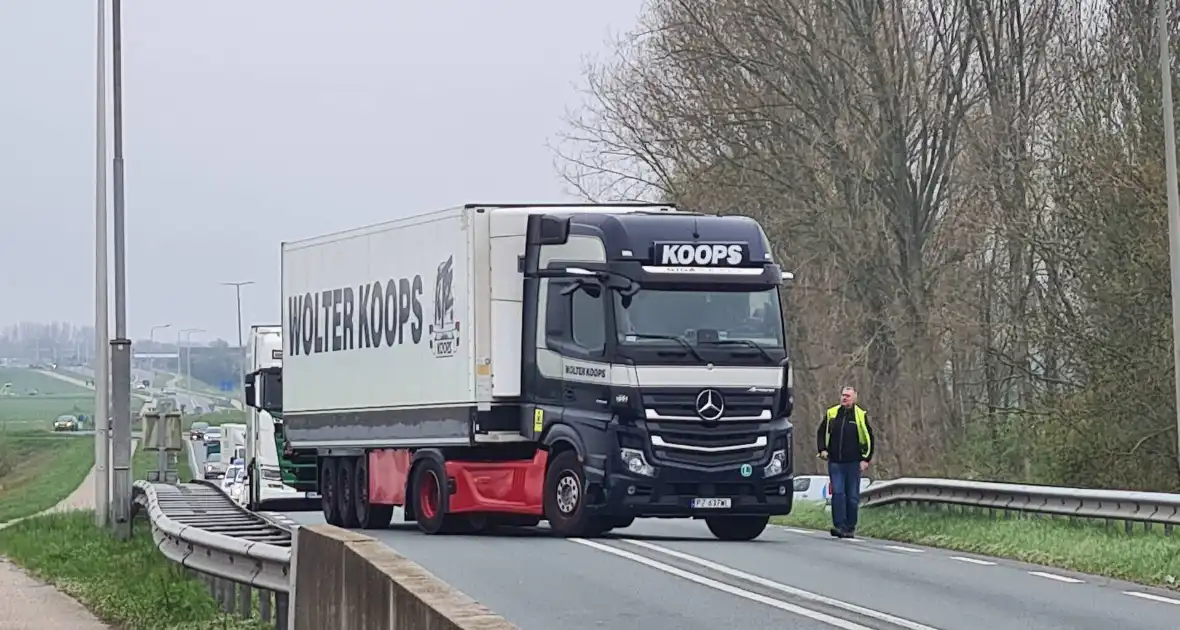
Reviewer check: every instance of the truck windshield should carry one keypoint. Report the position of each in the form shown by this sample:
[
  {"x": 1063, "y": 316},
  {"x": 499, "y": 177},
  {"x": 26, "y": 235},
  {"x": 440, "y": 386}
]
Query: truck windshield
[{"x": 652, "y": 316}]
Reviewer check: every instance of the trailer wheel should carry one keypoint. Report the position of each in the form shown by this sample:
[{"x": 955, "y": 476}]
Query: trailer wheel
[
  {"x": 565, "y": 497},
  {"x": 369, "y": 516},
  {"x": 430, "y": 497},
  {"x": 737, "y": 527},
  {"x": 346, "y": 490},
  {"x": 328, "y": 491}
]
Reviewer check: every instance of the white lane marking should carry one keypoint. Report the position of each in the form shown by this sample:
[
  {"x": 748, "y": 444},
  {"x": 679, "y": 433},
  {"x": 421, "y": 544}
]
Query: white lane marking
[
  {"x": 1154, "y": 598},
  {"x": 905, "y": 549},
  {"x": 814, "y": 615},
  {"x": 796, "y": 530},
  {"x": 780, "y": 587},
  {"x": 1054, "y": 576},
  {"x": 985, "y": 563}
]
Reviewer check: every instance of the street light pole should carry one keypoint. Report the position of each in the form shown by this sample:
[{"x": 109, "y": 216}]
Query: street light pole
[
  {"x": 188, "y": 354},
  {"x": 120, "y": 345},
  {"x": 101, "y": 363},
  {"x": 241, "y": 345},
  {"x": 1173, "y": 194},
  {"x": 152, "y": 339}
]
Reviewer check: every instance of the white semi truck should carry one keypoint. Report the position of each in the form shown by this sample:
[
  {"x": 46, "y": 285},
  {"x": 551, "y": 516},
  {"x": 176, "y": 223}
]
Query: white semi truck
[
  {"x": 503, "y": 364},
  {"x": 264, "y": 351}
]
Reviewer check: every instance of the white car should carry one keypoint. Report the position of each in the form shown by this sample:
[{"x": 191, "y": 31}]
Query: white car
[
  {"x": 818, "y": 488},
  {"x": 237, "y": 490},
  {"x": 231, "y": 476}
]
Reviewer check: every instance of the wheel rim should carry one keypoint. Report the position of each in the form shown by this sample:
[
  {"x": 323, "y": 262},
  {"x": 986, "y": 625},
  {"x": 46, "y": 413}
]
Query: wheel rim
[
  {"x": 428, "y": 495},
  {"x": 569, "y": 492}
]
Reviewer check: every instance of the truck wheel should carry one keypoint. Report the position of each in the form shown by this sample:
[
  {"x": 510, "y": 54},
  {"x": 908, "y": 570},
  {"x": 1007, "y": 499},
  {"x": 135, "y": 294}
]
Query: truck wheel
[
  {"x": 369, "y": 516},
  {"x": 328, "y": 499},
  {"x": 622, "y": 523},
  {"x": 564, "y": 497},
  {"x": 737, "y": 527},
  {"x": 430, "y": 499},
  {"x": 346, "y": 492}
]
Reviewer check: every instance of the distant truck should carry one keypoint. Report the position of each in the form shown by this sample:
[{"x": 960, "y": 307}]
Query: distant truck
[{"x": 503, "y": 364}]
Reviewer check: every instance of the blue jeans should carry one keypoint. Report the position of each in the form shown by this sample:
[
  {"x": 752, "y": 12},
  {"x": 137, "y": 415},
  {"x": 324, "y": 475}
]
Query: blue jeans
[{"x": 845, "y": 494}]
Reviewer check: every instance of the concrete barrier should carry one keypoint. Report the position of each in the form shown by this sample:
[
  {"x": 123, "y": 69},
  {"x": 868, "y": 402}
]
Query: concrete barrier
[{"x": 347, "y": 581}]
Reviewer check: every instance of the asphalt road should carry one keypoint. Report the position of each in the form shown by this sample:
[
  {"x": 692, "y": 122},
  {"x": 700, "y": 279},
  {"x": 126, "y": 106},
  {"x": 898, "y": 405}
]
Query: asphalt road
[{"x": 672, "y": 575}]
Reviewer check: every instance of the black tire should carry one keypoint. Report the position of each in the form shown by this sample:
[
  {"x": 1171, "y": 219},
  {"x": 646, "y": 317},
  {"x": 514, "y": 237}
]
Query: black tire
[
  {"x": 329, "y": 501},
  {"x": 737, "y": 527},
  {"x": 428, "y": 485},
  {"x": 622, "y": 522},
  {"x": 368, "y": 516},
  {"x": 564, "y": 498},
  {"x": 346, "y": 492}
]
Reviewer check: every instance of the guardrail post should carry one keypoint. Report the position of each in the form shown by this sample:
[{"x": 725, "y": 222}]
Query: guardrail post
[
  {"x": 264, "y": 604},
  {"x": 245, "y": 601},
  {"x": 281, "y": 603},
  {"x": 227, "y": 602}
]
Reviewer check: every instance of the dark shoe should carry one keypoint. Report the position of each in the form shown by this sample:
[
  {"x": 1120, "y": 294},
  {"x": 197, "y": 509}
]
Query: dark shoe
[
  {"x": 835, "y": 533},
  {"x": 848, "y": 534}
]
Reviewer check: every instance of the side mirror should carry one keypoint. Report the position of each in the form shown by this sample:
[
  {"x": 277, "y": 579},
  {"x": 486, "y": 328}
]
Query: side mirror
[
  {"x": 545, "y": 229},
  {"x": 248, "y": 392}
]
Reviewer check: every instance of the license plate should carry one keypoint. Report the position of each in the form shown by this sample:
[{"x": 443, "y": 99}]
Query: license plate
[{"x": 711, "y": 504}]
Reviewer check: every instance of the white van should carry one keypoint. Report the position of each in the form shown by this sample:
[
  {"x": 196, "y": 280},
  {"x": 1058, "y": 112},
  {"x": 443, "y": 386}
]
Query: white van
[{"x": 818, "y": 488}]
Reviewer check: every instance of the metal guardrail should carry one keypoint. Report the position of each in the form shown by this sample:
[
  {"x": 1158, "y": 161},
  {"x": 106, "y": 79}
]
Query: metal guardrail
[
  {"x": 1148, "y": 508},
  {"x": 244, "y": 558}
]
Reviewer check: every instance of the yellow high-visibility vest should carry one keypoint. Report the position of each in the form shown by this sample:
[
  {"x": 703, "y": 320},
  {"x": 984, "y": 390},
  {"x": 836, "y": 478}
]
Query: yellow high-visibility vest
[{"x": 862, "y": 429}]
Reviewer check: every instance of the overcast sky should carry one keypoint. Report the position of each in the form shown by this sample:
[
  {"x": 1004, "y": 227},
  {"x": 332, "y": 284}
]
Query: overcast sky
[{"x": 250, "y": 123}]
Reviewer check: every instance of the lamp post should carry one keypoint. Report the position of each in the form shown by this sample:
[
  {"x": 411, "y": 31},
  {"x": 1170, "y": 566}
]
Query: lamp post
[
  {"x": 101, "y": 363},
  {"x": 1173, "y": 194},
  {"x": 241, "y": 345},
  {"x": 152, "y": 339},
  {"x": 120, "y": 345},
  {"x": 188, "y": 340}
]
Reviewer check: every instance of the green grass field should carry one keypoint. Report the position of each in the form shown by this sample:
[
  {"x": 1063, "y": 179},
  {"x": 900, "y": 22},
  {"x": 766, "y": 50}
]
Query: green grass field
[
  {"x": 31, "y": 400},
  {"x": 128, "y": 585},
  {"x": 1085, "y": 546},
  {"x": 38, "y": 470},
  {"x": 143, "y": 461}
]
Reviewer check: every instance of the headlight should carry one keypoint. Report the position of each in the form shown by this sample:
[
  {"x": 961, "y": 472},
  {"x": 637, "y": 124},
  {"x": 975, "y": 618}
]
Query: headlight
[
  {"x": 778, "y": 462},
  {"x": 635, "y": 462}
]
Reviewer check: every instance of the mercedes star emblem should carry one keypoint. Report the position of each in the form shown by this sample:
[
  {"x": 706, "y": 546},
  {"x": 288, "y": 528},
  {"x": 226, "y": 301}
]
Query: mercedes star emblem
[{"x": 710, "y": 405}]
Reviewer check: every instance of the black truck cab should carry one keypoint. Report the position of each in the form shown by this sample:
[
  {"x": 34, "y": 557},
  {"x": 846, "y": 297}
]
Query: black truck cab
[{"x": 654, "y": 345}]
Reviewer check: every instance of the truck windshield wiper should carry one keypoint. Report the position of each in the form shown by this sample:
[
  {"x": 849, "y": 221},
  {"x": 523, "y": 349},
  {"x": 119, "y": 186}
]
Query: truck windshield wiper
[
  {"x": 743, "y": 342},
  {"x": 679, "y": 340}
]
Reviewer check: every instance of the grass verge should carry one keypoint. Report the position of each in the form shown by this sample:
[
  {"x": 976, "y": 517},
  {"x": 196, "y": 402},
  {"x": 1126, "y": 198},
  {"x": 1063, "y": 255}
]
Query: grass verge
[
  {"x": 1085, "y": 546},
  {"x": 130, "y": 585},
  {"x": 38, "y": 470}
]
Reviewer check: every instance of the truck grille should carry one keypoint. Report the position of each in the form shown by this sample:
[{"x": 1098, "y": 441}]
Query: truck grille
[
  {"x": 688, "y": 436},
  {"x": 683, "y": 404}
]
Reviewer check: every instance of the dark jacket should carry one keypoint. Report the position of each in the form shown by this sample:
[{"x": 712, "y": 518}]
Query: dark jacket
[{"x": 845, "y": 445}]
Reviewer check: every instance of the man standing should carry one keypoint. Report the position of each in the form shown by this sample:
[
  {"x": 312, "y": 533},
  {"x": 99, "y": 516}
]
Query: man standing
[{"x": 845, "y": 440}]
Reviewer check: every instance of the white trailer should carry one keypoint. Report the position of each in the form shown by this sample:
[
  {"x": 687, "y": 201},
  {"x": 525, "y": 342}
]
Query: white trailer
[
  {"x": 375, "y": 335},
  {"x": 233, "y": 443}
]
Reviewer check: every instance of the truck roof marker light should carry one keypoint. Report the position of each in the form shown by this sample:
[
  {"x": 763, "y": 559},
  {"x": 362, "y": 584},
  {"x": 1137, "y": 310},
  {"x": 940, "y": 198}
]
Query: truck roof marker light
[{"x": 788, "y": 275}]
